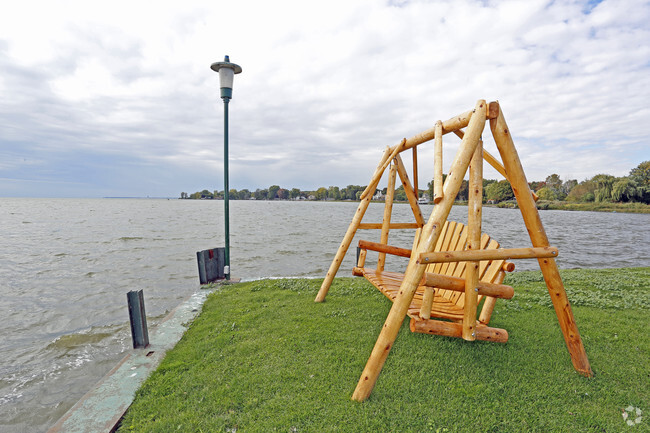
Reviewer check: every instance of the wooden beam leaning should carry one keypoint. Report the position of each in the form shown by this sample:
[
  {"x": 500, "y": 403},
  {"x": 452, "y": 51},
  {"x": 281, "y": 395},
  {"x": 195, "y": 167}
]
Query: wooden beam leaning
[
  {"x": 457, "y": 284},
  {"x": 490, "y": 159},
  {"x": 408, "y": 190},
  {"x": 474, "y": 218},
  {"x": 537, "y": 234},
  {"x": 498, "y": 254},
  {"x": 393, "y": 152},
  {"x": 414, "y": 272},
  {"x": 388, "y": 210},
  {"x": 349, "y": 234},
  {"x": 437, "y": 161}
]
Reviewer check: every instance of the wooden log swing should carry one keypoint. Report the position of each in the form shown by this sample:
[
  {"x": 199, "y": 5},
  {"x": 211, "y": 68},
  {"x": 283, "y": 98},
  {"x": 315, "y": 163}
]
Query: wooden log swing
[{"x": 453, "y": 268}]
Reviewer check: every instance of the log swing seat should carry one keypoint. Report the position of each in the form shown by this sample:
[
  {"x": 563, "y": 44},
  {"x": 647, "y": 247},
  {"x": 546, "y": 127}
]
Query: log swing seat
[
  {"x": 447, "y": 284},
  {"x": 453, "y": 267}
]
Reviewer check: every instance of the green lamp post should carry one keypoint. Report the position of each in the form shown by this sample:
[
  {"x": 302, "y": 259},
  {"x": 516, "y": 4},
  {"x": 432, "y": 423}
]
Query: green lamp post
[{"x": 227, "y": 73}]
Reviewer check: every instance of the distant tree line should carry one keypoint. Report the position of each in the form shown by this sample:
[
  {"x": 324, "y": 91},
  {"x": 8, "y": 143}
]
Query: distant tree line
[{"x": 600, "y": 188}]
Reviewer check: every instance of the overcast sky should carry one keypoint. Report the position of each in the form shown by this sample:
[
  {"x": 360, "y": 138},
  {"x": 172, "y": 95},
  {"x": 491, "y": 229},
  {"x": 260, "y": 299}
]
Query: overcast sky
[{"x": 118, "y": 99}]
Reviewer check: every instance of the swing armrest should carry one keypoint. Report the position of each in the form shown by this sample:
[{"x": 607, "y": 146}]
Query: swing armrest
[
  {"x": 382, "y": 248},
  {"x": 363, "y": 248}
]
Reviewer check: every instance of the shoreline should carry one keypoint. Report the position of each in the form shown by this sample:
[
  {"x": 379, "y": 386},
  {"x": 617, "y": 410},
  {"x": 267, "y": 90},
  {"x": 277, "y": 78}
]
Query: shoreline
[
  {"x": 633, "y": 208},
  {"x": 542, "y": 205}
]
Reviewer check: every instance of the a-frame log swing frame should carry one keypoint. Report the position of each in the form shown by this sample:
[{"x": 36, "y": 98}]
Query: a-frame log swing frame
[{"x": 469, "y": 156}]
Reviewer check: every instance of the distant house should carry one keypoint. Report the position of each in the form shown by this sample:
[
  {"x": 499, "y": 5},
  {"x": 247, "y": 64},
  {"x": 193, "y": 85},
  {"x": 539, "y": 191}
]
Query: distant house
[
  {"x": 379, "y": 196},
  {"x": 424, "y": 199}
]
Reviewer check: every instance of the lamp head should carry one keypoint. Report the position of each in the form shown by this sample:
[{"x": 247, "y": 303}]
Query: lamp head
[{"x": 227, "y": 73}]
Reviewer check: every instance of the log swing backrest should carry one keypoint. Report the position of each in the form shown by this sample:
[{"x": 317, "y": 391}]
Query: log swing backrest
[{"x": 447, "y": 304}]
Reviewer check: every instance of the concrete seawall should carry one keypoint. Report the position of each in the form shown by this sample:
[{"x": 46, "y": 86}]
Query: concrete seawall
[{"x": 102, "y": 408}]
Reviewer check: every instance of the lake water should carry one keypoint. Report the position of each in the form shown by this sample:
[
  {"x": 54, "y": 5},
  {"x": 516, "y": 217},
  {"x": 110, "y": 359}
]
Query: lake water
[{"x": 67, "y": 264}]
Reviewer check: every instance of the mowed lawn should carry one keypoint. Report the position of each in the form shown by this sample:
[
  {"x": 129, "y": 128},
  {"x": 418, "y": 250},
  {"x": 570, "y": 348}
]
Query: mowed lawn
[{"x": 263, "y": 357}]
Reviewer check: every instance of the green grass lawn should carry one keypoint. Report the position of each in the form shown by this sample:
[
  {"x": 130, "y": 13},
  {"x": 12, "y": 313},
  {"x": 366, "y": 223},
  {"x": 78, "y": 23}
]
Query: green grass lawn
[{"x": 263, "y": 357}]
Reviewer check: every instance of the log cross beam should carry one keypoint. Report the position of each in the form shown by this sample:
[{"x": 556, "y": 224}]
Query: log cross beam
[
  {"x": 457, "y": 284},
  {"x": 498, "y": 254}
]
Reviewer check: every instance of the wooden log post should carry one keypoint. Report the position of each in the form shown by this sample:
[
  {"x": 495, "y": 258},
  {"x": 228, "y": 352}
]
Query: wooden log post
[
  {"x": 393, "y": 152},
  {"x": 537, "y": 234},
  {"x": 388, "y": 210},
  {"x": 490, "y": 303},
  {"x": 416, "y": 239},
  {"x": 357, "y": 271},
  {"x": 437, "y": 165},
  {"x": 361, "y": 260},
  {"x": 352, "y": 229},
  {"x": 408, "y": 190},
  {"x": 427, "y": 302},
  {"x": 415, "y": 172},
  {"x": 474, "y": 218},
  {"x": 414, "y": 271}
]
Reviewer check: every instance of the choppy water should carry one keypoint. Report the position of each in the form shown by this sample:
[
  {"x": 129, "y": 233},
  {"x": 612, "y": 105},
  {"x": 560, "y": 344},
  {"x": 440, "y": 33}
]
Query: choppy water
[{"x": 67, "y": 264}]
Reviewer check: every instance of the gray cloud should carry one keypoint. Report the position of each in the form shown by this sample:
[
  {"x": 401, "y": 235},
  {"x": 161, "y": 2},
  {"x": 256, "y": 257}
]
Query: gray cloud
[{"x": 324, "y": 89}]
